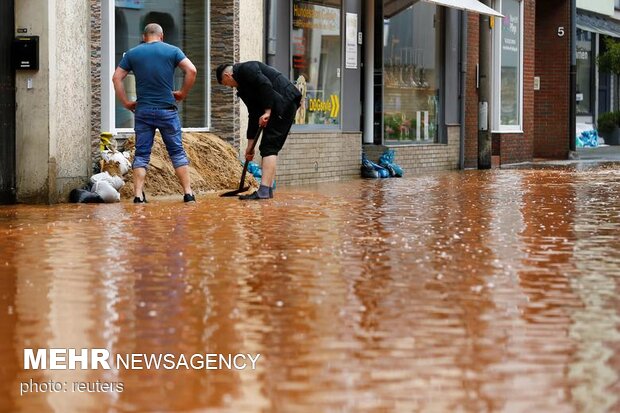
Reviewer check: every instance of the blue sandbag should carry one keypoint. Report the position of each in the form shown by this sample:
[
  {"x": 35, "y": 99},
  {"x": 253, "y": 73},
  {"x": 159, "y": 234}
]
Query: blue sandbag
[
  {"x": 367, "y": 169},
  {"x": 370, "y": 169},
  {"x": 387, "y": 161},
  {"x": 587, "y": 139},
  {"x": 257, "y": 172}
]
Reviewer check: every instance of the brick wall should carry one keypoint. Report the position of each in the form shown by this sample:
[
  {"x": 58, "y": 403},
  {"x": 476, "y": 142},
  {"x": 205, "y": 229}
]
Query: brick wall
[
  {"x": 520, "y": 147},
  {"x": 224, "y": 49},
  {"x": 514, "y": 148},
  {"x": 471, "y": 108},
  {"x": 417, "y": 159},
  {"x": 317, "y": 157},
  {"x": 510, "y": 147},
  {"x": 551, "y": 130}
]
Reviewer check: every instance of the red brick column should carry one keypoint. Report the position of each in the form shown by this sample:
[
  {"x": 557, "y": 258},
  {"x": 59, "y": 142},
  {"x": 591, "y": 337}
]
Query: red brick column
[
  {"x": 551, "y": 123},
  {"x": 471, "y": 102},
  {"x": 519, "y": 147}
]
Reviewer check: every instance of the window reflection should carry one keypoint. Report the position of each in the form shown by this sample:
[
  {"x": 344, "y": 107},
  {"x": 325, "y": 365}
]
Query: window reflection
[
  {"x": 511, "y": 63},
  {"x": 584, "y": 70},
  {"x": 411, "y": 70},
  {"x": 316, "y": 46}
]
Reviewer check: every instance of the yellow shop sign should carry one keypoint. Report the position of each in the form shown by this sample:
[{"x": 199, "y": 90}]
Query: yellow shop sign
[{"x": 331, "y": 106}]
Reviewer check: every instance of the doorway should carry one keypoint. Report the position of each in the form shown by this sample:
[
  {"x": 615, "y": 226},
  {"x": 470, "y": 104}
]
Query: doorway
[{"x": 7, "y": 104}]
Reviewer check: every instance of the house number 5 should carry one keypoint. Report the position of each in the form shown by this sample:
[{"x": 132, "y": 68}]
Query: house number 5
[{"x": 561, "y": 31}]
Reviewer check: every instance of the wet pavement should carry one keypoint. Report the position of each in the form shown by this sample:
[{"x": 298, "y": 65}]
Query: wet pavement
[
  {"x": 600, "y": 153},
  {"x": 475, "y": 291}
]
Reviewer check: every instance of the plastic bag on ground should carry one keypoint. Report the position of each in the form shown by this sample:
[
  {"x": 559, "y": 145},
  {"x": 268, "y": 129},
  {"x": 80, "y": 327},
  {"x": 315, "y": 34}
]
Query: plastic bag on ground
[
  {"x": 387, "y": 161},
  {"x": 588, "y": 139},
  {"x": 106, "y": 191},
  {"x": 116, "y": 181},
  {"x": 84, "y": 196},
  {"x": 257, "y": 172},
  {"x": 370, "y": 169}
]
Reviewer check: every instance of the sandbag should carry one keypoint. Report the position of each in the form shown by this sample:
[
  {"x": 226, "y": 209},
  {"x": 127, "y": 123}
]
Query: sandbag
[
  {"x": 588, "y": 139},
  {"x": 369, "y": 169},
  {"x": 255, "y": 170},
  {"x": 387, "y": 161},
  {"x": 116, "y": 181},
  {"x": 106, "y": 191},
  {"x": 119, "y": 157}
]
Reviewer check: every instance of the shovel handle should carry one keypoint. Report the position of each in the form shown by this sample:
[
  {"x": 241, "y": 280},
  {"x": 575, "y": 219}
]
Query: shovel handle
[{"x": 245, "y": 164}]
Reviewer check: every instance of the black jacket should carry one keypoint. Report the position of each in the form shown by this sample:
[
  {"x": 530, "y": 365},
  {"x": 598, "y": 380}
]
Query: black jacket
[{"x": 263, "y": 87}]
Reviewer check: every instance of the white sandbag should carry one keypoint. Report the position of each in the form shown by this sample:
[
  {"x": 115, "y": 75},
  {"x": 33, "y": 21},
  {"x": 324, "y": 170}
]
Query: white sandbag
[
  {"x": 116, "y": 181},
  {"x": 103, "y": 176},
  {"x": 106, "y": 191},
  {"x": 121, "y": 157},
  {"x": 105, "y": 155},
  {"x": 124, "y": 163}
]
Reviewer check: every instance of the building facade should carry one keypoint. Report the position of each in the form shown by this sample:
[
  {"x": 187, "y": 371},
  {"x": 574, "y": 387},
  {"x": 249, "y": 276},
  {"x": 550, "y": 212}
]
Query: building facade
[
  {"x": 598, "y": 91},
  {"x": 394, "y": 74}
]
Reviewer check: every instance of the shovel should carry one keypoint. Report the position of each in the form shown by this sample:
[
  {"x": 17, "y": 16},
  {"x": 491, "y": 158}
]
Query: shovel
[{"x": 245, "y": 169}]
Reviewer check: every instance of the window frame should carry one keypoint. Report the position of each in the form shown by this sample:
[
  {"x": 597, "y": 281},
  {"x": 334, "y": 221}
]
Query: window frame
[
  {"x": 108, "y": 97},
  {"x": 496, "y": 52}
]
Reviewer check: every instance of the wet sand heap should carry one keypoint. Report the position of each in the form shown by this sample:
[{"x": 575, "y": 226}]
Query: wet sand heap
[{"x": 213, "y": 167}]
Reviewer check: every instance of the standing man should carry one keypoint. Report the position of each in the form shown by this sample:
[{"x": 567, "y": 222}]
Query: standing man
[
  {"x": 272, "y": 101},
  {"x": 153, "y": 63}
]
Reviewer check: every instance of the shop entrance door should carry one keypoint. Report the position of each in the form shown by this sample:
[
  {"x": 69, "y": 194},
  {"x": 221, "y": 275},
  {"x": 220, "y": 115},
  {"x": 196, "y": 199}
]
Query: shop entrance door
[{"x": 7, "y": 104}]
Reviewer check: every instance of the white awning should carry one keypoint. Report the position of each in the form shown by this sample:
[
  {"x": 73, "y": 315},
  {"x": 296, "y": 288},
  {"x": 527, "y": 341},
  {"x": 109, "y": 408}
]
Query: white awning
[
  {"x": 392, "y": 7},
  {"x": 469, "y": 5}
]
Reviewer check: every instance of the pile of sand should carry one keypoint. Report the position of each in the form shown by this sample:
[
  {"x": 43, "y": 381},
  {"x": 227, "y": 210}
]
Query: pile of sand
[{"x": 214, "y": 166}]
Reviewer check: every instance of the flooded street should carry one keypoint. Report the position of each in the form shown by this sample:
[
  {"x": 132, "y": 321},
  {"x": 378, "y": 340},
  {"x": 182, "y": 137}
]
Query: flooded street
[{"x": 475, "y": 291}]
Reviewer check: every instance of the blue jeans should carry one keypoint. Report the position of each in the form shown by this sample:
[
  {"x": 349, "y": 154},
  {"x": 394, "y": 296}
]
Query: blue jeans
[{"x": 169, "y": 125}]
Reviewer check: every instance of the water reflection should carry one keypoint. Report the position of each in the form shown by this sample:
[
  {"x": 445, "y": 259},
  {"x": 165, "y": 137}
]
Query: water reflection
[
  {"x": 596, "y": 369},
  {"x": 471, "y": 291}
]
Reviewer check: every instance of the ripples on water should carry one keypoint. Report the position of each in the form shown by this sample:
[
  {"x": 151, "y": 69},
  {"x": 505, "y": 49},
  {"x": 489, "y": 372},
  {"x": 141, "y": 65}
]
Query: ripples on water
[{"x": 463, "y": 291}]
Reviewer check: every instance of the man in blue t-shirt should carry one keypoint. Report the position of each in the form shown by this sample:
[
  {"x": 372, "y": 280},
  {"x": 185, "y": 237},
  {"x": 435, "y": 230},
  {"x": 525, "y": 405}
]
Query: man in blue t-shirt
[{"x": 153, "y": 63}]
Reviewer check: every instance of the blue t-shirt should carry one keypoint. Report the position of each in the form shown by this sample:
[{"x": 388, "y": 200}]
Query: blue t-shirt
[{"x": 153, "y": 65}]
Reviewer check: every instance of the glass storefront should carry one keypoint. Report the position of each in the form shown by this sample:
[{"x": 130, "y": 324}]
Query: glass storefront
[
  {"x": 510, "y": 75},
  {"x": 411, "y": 70},
  {"x": 316, "y": 60},
  {"x": 584, "y": 72},
  {"x": 184, "y": 23}
]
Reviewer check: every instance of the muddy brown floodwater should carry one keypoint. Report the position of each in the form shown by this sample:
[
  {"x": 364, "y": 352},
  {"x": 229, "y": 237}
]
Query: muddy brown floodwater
[{"x": 473, "y": 291}]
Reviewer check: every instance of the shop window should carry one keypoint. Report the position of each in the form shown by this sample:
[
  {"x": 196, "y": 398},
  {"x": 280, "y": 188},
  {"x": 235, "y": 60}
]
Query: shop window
[
  {"x": 508, "y": 67},
  {"x": 184, "y": 23},
  {"x": 316, "y": 61},
  {"x": 412, "y": 53},
  {"x": 585, "y": 73}
]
